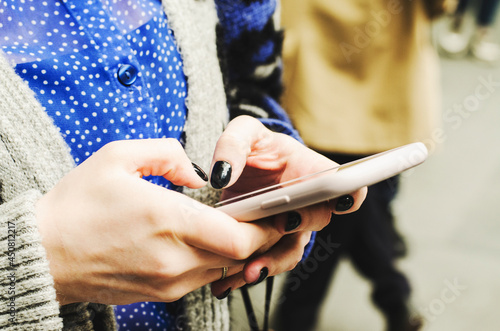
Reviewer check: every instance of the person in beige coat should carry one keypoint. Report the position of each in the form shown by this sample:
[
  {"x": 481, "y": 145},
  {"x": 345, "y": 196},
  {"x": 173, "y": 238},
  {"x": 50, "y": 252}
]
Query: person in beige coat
[{"x": 361, "y": 77}]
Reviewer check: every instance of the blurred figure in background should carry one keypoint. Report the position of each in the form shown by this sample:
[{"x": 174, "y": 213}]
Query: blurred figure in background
[
  {"x": 458, "y": 42},
  {"x": 361, "y": 77}
]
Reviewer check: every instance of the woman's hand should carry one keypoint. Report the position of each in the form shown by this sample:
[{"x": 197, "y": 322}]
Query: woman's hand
[
  {"x": 248, "y": 156},
  {"x": 113, "y": 237}
]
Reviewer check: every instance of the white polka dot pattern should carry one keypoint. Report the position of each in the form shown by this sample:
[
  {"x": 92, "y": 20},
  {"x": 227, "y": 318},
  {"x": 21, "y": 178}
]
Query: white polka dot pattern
[
  {"x": 70, "y": 54},
  {"x": 73, "y": 54},
  {"x": 147, "y": 316}
]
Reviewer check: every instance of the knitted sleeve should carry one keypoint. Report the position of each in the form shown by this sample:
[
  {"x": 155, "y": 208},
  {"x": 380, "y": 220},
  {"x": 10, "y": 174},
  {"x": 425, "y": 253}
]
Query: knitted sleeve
[
  {"x": 28, "y": 298},
  {"x": 33, "y": 158}
]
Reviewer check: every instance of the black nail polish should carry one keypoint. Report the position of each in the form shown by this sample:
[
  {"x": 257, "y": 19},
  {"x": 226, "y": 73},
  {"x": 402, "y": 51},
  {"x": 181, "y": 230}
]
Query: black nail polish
[
  {"x": 344, "y": 203},
  {"x": 293, "y": 221},
  {"x": 263, "y": 275},
  {"x": 221, "y": 174},
  {"x": 225, "y": 294},
  {"x": 200, "y": 172}
]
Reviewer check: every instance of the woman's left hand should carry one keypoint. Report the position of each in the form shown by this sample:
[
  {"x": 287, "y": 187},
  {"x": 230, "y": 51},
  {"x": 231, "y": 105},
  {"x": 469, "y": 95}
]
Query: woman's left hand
[{"x": 248, "y": 156}]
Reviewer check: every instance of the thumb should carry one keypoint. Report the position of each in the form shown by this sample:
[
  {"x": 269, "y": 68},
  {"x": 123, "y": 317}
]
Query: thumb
[
  {"x": 158, "y": 157},
  {"x": 233, "y": 148}
]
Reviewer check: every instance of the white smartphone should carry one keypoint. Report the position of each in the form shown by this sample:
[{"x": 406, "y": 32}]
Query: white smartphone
[{"x": 324, "y": 185}]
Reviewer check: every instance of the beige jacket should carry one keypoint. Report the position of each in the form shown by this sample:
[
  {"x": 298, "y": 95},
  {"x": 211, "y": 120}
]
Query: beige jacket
[{"x": 361, "y": 76}]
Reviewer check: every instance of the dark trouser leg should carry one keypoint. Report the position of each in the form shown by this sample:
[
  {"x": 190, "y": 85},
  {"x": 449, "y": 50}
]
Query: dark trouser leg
[
  {"x": 372, "y": 251},
  {"x": 306, "y": 285}
]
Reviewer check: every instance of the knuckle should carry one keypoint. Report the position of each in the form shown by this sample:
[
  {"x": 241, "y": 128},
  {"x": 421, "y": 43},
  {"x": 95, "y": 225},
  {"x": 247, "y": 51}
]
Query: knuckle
[
  {"x": 113, "y": 149},
  {"x": 172, "y": 293},
  {"x": 294, "y": 261},
  {"x": 325, "y": 220},
  {"x": 241, "y": 248},
  {"x": 237, "y": 142},
  {"x": 293, "y": 265},
  {"x": 304, "y": 239},
  {"x": 163, "y": 270},
  {"x": 168, "y": 146},
  {"x": 298, "y": 257},
  {"x": 240, "y": 252},
  {"x": 318, "y": 217},
  {"x": 168, "y": 272},
  {"x": 172, "y": 144},
  {"x": 171, "y": 270}
]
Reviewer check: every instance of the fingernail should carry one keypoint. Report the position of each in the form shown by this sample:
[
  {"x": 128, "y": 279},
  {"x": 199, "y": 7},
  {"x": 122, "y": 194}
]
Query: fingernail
[
  {"x": 221, "y": 174},
  {"x": 200, "y": 172},
  {"x": 293, "y": 221},
  {"x": 225, "y": 294},
  {"x": 344, "y": 203},
  {"x": 263, "y": 274}
]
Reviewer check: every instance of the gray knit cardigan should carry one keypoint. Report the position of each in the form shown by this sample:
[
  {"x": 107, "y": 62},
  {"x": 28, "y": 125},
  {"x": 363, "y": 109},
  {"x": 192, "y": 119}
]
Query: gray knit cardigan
[{"x": 34, "y": 157}]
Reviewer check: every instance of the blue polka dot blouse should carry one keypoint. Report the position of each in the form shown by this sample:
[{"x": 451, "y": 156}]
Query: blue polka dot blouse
[{"x": 104, "y": 70}]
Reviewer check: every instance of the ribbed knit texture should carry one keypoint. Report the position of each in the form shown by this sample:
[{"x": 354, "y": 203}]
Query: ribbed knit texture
[
  {"x": 194, "y": 24},
  {"x": 35, "y": 305},
  {"x": 33, "y": 157}
]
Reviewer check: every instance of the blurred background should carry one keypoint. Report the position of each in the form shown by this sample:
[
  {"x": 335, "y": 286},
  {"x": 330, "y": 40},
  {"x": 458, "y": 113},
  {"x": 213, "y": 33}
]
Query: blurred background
[{"x": 446, "y": 210}]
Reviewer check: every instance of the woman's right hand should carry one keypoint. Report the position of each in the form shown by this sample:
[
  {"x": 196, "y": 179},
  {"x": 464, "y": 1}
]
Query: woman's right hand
[{"x": 113, "y": 237}]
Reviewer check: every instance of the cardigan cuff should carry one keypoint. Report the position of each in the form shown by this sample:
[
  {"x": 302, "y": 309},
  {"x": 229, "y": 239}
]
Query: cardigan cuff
[
  {"x": 86, "y": 316},
  {"x": 28, "y": 297}
]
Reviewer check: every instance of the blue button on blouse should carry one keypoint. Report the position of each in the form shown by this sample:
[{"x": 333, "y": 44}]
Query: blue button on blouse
[
  {"x": 73, "y": 53},
  {"x": 127, "y": 74},
  {"x": 104, "y": 70}
]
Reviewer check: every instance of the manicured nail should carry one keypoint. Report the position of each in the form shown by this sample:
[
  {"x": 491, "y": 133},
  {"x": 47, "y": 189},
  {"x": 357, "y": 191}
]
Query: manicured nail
[
  {"x": 221, "y": 174},
  {"x": 225, "y": 294},
  {"x": 344, "y": 203},
  {"x": 263, "y": 274},
  {"x": 200, "y": 172},
  {"x": 293, "y": 221}
]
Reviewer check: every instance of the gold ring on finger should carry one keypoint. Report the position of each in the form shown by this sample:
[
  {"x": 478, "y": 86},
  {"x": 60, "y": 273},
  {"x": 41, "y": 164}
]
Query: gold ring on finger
[{"x": 224, "y": 273}]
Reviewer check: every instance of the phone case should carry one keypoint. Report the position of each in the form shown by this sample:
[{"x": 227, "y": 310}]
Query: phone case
[{"x": 324, "y": 185}]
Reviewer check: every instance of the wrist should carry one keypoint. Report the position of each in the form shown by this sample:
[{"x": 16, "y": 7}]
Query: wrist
[{"x": 52, "y": 243}]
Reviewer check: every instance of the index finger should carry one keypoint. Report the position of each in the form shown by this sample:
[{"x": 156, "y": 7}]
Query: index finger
[{"x": 212, "y": 230}]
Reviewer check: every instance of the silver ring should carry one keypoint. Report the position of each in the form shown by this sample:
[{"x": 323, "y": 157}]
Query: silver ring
[{"x": 224, "y": 273}]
